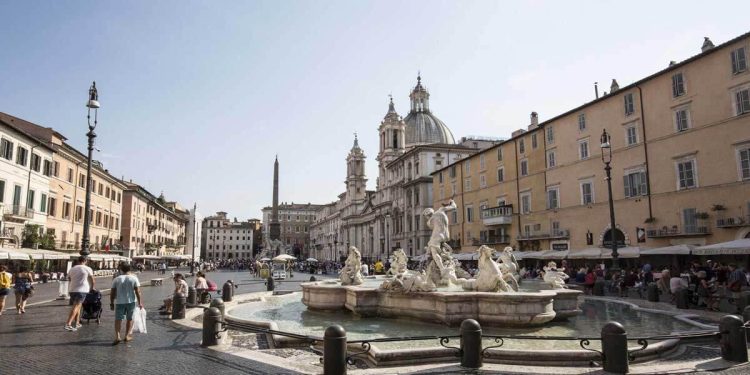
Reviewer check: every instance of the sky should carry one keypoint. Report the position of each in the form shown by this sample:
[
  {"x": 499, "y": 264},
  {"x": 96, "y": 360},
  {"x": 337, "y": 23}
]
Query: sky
[{"x": 198, "y": 97}]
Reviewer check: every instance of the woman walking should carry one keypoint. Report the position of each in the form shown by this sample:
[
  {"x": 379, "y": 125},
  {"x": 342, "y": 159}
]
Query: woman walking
[{"x": 23, "y": 288}]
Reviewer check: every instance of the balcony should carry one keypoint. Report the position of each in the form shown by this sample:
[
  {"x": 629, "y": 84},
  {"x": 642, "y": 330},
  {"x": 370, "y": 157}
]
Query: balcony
[
  {"x": 555, "y": 234},
  {"x": 733, "y": 222},
  {"x": 491, "y": 240},
  {"x": 17, "y": 212},
  {"x": 676, "y": 231},
  {"x": 500, "y": 215}
]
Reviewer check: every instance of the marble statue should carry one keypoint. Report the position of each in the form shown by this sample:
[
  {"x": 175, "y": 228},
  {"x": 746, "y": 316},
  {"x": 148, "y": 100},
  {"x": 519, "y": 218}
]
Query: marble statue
[
  {"x": 398, "y": 262},
  {"x": 409, "y": 281},
  {"x": 509, "y": 267},
  {"x": 490, "y": 278},
  {"x": 554, "y": 276},
  {"x": 441, "y": 269},
  {"x": 271, "y": 248},
  {"x": 351, "y": 273}
]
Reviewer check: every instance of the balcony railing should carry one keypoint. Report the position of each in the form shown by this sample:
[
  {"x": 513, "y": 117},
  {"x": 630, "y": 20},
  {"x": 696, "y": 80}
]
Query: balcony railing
[
  {"x": 558, "y": 233},
  {"x": 18, "y": 211},
  {"x": 676, "y": 231},
  {"x": 491, "y": 240},
  {"x": 500, "y": 215},
  {"x": 733, "y": 222}
]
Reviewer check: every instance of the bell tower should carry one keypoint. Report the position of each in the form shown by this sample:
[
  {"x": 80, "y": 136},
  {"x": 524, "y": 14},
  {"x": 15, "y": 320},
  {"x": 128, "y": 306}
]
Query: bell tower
[
  {"x": 356, "y": 183},
  {"x": 419, "y": 97},
  {"x": 392, "y": 141}
]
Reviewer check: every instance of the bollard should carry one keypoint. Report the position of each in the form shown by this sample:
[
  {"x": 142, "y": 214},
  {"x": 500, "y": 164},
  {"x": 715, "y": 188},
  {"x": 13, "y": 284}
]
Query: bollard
[
  {"x": 682, "y": 299},
  {"x": 312, "y": 278},
  {"x": 652, "y": 292},
  {"x": 615, "y": 348},
  {"x": 212, "y": 326},
  {"x": 599, "y": 288},
  {"x": 227, "y": 291},
  {"x": 733, "y": 342},
  {"x": 269, "y": 284},
  {"x": 746, "y": 319},
  {"x": 218, "y": 303},
  {"x": 471, "y": 344},
  {"x": 192, "y": 296},
  {"x": 178, "y": 306},
  {"x": 334, "y": 350},
  {"x": 743, "y": 300}
]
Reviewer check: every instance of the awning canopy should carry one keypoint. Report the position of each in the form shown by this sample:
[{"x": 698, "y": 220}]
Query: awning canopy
[
  {"x": 466, "y": 256},
  {"x": 736, "y": 247},
  {"x": 669, "y": 250},
  {"x": 13, "y": 254},
  {"x": 555, "y": 254},
  {"x": 589, "y": 253},
  {"x": 625, "y": 252},
  {"x": 39, "y": 254},
  {"x": 152, "y": 257},
  {"x": 534, "y": 254}
]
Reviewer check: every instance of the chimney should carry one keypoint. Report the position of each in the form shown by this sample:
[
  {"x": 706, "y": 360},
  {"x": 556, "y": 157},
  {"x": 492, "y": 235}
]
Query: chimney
[
  {"x": 534, "y": 119},
  {"x": 707, "y": 44},
  {"x": 596, "y": 89},
  {"x": 614, "y": 86},
  {"x": 672, "y": 62}
]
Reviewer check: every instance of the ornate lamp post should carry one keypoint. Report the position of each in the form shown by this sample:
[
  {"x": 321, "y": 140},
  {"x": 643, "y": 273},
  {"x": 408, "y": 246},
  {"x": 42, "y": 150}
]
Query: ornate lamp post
[
  {"x": 93, "y": 103},
  {"x": 606, "y": 147}
]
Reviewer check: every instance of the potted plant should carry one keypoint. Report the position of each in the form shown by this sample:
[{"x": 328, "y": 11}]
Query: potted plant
[
  {"x": 701, "y": 215},
  {"x": 718, "y": 207}
]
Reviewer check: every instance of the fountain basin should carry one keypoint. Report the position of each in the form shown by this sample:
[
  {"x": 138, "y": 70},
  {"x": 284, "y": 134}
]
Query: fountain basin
[{"x": 447, "y": 307}]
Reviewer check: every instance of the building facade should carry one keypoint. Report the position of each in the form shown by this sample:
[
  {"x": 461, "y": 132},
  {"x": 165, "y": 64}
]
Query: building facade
[
  {"x": 680, "y": 143},
  {"x": 227, "y": 239},
  {"x": 295, "y": 220},
  {"x": 150, "y": 226}
]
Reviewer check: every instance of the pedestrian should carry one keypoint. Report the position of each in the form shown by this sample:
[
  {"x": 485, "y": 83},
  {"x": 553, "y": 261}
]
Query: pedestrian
[
  {"x": 163, "y": 268},
  {"x": 126, "y": 289},
  {"x": 23, "y": 288},
  {"x": 81, "y": 283},
  {"x": 5, "y": 283},
  {"x": 180, "y": 289},
  {"x": 365, "y": 269}
]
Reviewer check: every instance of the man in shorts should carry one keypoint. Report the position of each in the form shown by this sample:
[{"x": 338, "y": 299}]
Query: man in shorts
[
  {"x": 81, "y": 283},
  {"x": 125, "y": 290}
]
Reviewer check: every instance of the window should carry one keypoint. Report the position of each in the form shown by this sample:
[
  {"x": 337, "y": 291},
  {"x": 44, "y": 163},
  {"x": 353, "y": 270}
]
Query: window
[
  {"x": 469, "y": 214},
  {"x": 82, "y": 181},
  {"x": 631, "y": 135},
  {"x": 70, "y": 175},
  {"x": 635, "y": 184},
  {"x": 587, "y": 193},
  {"x": 551, "y": 159},
  {"x": 453, "y": 171},
  {"x": 582, "y": 122},
  {"x": 30, "y": 200},
  {"x": 689, "y": 220},
  {"x": 467, "y": 184},
  {"x": 482, "y": 181},
  {"x": 106, "y": 193},
  {"x": 524, "y": 167},
  {"x": 43, "y": 203},
  {"x": 628, "y": 101},
  {"x": 22, "y": 156},
  {"x": 47, "y": 170},
  {"x": 686, "y": 174},
  {"x": 98, "y": 218},
  {"x": 499, "y": 154},
  {"x": 56, "y": 169},
  {"x": 678, "y": 85},
  {"x": 681, "y": 119},
  {"x": 500, "y": 174},
  {"x": 533, "y": 141},
  {"x": 79, "y": 212},
  {"x": 481, "y": 162},
  {"x": 742, "y": 154},
  {"x": 742, "y": 98},
  {"x": 467, "y": 167},
  {"x": 583, "y": 149},
  {"x": 552, "y": 198},
  {"x": 521, "y": 146},
  {"x": 525, "y": 203},
  {"x": 440, "y": 177},
  {"x": 36, "y": 162},
  {"x": 550, "y": 135},
  {"x": 739, "y": 63},
  {"x": 6, "y": 149},
  {"x": 52, "y": 207},
  {"x": 101, "y": 189},
  {"x": 118, "y": 197}
]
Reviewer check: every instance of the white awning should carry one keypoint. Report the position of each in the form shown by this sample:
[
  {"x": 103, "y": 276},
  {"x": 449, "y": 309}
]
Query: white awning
[
  {"x": 535, "y": 254},
  {"x": 589, "y": 253},
  {"x": 736, "y": 247},
  {"x": 13, "y": 254},
  {"x": 555, "y": 254},
  {"x": 669, "y": 250},
  {"x": 625, "y": 252},
  {"x": 153, "y": 257}
]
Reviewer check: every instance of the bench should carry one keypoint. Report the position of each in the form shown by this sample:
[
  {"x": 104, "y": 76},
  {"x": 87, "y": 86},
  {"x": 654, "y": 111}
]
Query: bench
[{"x": 155, "y": 282}]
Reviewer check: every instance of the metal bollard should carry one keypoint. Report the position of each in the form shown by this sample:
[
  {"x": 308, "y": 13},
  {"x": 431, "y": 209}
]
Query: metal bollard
[
  {"x": 178, "y": 306},
  {"x": 227, "y": 290},
  {"x": 212, "y": 327},
  {"x": 218, "y": 303},
  {"x": 743, "y": 300},
  {"x": 746, "y": 319},
  {"x": 471, "y": 344},
  {"x": 598, "y": 288},
  {"x": 733, "y": 342},
  {"x": 615, "y": 348},
  {"x": 681, "y": 299},
  {"x": 652, "y": 292},
  {"x": 334, "y": 350},
  {"x": 312, "y": 278},
  {"x": 192, "y": 296},
  {"x": 270, "y": 284}
]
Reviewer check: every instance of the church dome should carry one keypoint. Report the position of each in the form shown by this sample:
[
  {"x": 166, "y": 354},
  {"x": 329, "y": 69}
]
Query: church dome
[{"x": 423, "y": 127}]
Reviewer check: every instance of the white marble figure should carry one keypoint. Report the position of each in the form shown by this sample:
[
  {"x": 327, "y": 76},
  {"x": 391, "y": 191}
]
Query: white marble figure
[
  {"x": 554, "y": 276},
  {"x": 271, "y": 248},
  {"x": 409, "y": 281},
  {"x": 398, "y": 262},
  {"x": 490, "y": 277},
  {"x": 351, "y": 273},
  {"x": 441, "y": 270},
  {"x": 509, "y": 267}
]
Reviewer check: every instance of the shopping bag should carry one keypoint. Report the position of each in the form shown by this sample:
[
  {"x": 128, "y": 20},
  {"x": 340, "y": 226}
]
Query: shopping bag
[{"x": 139, "y": 321}]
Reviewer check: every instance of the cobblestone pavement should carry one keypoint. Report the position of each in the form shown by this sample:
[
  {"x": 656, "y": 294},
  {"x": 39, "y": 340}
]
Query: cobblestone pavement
[{"x": 35, "y": 342}]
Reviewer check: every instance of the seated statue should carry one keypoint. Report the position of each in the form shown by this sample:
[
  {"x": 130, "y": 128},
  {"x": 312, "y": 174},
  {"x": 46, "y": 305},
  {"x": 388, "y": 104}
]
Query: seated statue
[
  {"x": 351, "y": 273},
  {"x": 509, "y": 267},
  {"x": 398, "y": 262}
]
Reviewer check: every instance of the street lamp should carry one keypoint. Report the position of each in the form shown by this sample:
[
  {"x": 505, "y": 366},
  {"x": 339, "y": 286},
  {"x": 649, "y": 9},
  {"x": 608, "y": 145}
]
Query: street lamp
[
  {"x": 606, "y": 147},
  {"x": 93, "y": 103}
]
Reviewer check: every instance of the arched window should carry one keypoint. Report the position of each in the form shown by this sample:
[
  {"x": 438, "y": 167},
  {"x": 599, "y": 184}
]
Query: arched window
[
  {"x": 619, "y": 237},
  {"x": 395, "y": 139}
]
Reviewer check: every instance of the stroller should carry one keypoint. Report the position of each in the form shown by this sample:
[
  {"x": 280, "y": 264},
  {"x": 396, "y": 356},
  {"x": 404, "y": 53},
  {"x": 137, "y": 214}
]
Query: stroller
[{"x": 92, "y": 307}]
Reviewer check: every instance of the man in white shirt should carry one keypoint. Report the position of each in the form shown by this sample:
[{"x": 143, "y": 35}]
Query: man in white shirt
[
  {"x": 81, "y": 283},
  {"x": 125, "y": 289}
]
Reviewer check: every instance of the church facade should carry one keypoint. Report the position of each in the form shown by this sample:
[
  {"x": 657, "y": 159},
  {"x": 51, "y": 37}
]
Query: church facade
[{"x": 380, "y": 221}]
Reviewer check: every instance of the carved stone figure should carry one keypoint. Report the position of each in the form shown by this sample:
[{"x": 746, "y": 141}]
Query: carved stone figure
[
  {"x": 441, "y": 270},
  {"x": 509, "y": 267},
  {"x": 409, "y": 281},
  {"x": 398, "y": 262},
  {"x": 351, "y": 272},
  {"x": 490, "y": 277},
  {"x": 554, "y": 276}
]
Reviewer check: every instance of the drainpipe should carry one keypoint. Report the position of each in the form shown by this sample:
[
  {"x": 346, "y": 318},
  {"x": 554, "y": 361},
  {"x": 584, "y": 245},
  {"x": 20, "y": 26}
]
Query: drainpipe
[
  {"x": 28, "y": 183},
  {"x": 518, "y": 185},
  {"x": 645, "y": 151}
]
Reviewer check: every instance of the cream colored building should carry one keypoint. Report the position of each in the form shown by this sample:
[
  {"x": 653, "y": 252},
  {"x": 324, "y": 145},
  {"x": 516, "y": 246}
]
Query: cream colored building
[
  {"x": 151, "y": 225},
  {"x": 680, "y": 166},
  {"x": 67, "y": 193}
]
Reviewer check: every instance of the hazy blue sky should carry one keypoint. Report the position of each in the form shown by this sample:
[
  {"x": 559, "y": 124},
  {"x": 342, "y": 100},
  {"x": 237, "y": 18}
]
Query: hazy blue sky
[{"x": 198, "y": 97}]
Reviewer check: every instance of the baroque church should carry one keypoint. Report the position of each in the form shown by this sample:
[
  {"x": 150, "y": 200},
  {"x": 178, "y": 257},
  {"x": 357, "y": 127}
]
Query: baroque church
[{"x": 390, "y": 217}]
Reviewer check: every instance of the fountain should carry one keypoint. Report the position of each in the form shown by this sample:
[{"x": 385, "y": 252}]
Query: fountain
[{"x": 438, "y": 294}]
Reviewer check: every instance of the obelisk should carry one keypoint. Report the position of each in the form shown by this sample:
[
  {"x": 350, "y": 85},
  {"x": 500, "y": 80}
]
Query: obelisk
[{"x": 275, "y": 226}]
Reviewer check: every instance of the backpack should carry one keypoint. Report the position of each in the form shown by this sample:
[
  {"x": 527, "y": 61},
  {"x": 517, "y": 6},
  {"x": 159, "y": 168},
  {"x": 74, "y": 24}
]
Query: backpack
[{"x": 4, "y": 280}]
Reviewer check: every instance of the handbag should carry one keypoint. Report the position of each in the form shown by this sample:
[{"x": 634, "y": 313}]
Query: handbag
[{"x": 139, "y": 320}]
